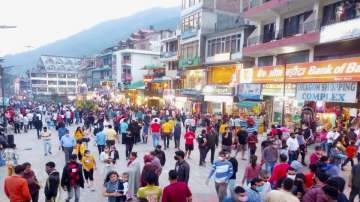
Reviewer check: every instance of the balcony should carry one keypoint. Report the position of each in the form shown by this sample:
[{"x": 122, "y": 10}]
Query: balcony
[
  {"x": 189, "y": 62},
  {"x": 189, "y": 33},
  {"x": 288, "y": 41},
  {"x": 259, "y": 10},
  {"x": 345, "y": 30}
]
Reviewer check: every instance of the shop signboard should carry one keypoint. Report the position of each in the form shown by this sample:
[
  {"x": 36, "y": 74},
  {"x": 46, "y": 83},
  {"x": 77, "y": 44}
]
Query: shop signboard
[
  {"x": 248, "y": 91},
  {"x": 277, "y": 90},
  {"x": 327, "y": 92},
  {"x": 218, "y": 90},
  {"x": 339, "y": 70}
]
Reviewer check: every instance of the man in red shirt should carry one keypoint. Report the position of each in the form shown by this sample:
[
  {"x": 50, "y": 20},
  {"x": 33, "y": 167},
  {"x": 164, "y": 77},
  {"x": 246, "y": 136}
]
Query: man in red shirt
[
  {"x": 350, "y": 152},
  {"x": 155, "y": 131},
  {"x": 280, "y": 170},
  {"x": 189, "y": 142},
  {"x": 16, "y": 188},
  {"x": 176, "y": 191}
]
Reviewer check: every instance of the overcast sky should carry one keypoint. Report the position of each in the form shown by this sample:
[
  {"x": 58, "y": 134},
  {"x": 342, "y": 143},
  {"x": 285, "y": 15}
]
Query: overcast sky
[{"x": 43, "y": 21}]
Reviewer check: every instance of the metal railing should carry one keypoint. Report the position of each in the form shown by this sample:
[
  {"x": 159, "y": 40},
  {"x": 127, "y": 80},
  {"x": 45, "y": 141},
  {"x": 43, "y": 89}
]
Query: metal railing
[{"x": 307, "y": 27}]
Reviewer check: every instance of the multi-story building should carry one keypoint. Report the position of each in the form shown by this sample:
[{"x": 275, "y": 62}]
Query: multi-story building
[
  {"x": 55, "y": 75},
  {"x": 303, "y": 44},
  {"x": 210, "y": 46},
  {"x": 21, "y": 85},
  {"x": 130, "y": 65}
]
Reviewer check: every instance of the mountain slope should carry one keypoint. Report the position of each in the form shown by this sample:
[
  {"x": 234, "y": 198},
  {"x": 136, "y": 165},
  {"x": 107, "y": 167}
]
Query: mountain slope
[{"x": 96, "y": 38}]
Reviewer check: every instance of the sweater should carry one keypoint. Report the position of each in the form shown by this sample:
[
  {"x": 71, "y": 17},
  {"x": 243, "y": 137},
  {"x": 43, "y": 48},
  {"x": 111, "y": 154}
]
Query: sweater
[{"x": 222, "y": 171}]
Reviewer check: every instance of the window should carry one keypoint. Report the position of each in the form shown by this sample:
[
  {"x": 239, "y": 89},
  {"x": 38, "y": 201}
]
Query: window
[
  {"x": 269, "y": 32},
  {"x": 62, "y": 75},
  {"x": 43, "y": 75},
  {"x": 291, "y": 58},
  {"x": 190, "y": 50},
  {"x": 191, "y": 22},
  {"x": 224, "y": 45},
  {"x": 39, "y": 82},
  {"x": 41, "y": 89},
  {"x": 71, "y": 83},
  {"x": 52, "y": 82},
  {"x": 71, "y": 76},
  {"x": 52, "y": 90},
  {"x": 265, "y": 61},
  {"x": 62, "y": 83},
  {"x": 295, "y": 24},
  {"x": 52, "y": 75}
]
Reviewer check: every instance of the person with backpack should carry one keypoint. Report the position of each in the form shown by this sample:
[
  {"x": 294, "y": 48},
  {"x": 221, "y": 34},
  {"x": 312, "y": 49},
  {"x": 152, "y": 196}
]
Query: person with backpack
[{"x": 72, "y": 179}]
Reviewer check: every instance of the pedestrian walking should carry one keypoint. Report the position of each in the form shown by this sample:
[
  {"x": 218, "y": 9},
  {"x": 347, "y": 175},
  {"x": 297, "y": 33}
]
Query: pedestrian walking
[
  {"x": 176, "y": 191},
  {"x": 242, "y": 136},
  {"x": 72, "y": 179},
  {"x": 155, "y": 129},
  {"x": 111, "y": 136},
  {"x": 151, "y": 191},
  {"x": 177, "y": 134},
  {"x": 189, "y": 142},
  {"x": 182, "y": 167},
  {"x": 46, "y": 137},
  {"x": 222, "y": 170},
  {"x": 16, "y": 187},
  {"x": 212, "y": 141},
  {"x": 160, "y": 154},
  {"x": 68, "y": 144},
  {"x": 89, "y": 165},
  {"x": 100, "y": 140},
  {"x": 51, "y": 188},
  {"x": 166, "y": 130},
  {"x": 113, "y": 188},
  {"x": 270, "y": 156},
  {"x": 38, "y": 125},
  {"x": 32, "y": 182},
  {"x": 201, "y": 139},
  {"x": 134, "y": 172}
]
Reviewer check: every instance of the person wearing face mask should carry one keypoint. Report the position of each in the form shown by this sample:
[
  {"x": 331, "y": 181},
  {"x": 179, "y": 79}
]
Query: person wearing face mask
[
  {"x": 284, "y": 194},
  {"x": 291, "y": 173},
  {"x": 239, "y": 195},
  {"x": 253, "y": 193},
  {"x": 222, "y": 170},
  {"x": 182, "y": 167}
]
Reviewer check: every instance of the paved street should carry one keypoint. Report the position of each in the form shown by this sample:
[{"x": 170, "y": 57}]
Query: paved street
[{"x": 30, "y": 150}]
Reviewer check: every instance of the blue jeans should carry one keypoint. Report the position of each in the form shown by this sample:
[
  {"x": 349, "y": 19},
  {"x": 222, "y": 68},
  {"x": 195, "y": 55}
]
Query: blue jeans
[
  {"x": 47, "y": 146},
  {"x": 231, "y": 187},
  {"x": 293, "y": 155},
  {"x": 269, "y": 166},
  {"x": 156, "y": 139}
]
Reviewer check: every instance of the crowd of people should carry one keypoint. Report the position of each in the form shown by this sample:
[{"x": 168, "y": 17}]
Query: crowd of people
[{"x": 281, "y": 164}]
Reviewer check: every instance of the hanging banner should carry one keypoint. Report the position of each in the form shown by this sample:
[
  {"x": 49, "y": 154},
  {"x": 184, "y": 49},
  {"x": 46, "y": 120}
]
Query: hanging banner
[{"x": 327, "y": 92}]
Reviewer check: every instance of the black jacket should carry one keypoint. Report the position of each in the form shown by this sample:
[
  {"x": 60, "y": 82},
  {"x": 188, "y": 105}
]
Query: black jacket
[
  {"x": 66, "y": 178},
  {"x": 212, "y": 139},
  {"x": 161, "y": 155},
  {"x": 52, "y": 185},
  {"x": 182, "y": 169}
]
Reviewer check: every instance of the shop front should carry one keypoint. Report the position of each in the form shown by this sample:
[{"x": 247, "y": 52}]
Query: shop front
[
  {"x": 219, "y": 99},
  {"x": 195, "y": 79},
  {"x": 307, "y": 91},
  {"x": 189, "y": 100}
]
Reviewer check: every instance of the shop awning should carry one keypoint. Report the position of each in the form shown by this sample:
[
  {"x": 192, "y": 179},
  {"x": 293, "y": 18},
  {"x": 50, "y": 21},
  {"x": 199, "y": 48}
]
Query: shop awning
[
  {"x": 137, "y": 85},
  {"x": 247, "y": 104}
]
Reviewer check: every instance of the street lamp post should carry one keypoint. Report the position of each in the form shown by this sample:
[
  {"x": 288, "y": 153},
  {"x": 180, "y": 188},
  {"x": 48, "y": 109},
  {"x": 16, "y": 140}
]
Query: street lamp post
[{"x": 284, "y": 94}]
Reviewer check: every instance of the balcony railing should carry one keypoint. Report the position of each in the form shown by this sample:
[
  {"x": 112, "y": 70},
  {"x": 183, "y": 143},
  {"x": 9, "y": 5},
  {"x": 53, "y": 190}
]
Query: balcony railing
[
  {"x": 126, "y": 62},
  {"x": 254, "y": 3},
  {"x": 168, "y": 54},
  {"x": 308, "y": 27}
]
